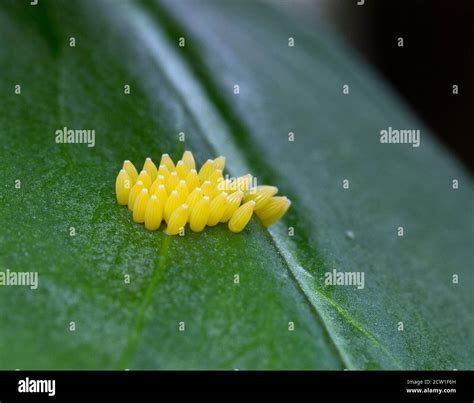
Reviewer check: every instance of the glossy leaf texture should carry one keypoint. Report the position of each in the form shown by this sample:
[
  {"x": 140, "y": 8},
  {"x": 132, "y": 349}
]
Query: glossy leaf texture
[{"x": 182, "y": 308}]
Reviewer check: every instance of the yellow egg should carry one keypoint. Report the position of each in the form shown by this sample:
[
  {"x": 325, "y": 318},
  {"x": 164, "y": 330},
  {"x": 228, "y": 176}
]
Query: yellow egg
[
  {"x": 145, "y": 178},
  {"x": 160, "y": 180},
  {"x": 218, "y": 205},
  {"x": 273, "y": 210},
  {"x": 233, "y": 203},
  {"x": 166, "y": 160},
  {"x": 122, "y": 187},
  {"x": 182, "y": 169},
  {"x": 183, "y": 191},
  {"x": 219, "y": 163},
  {"x": 163, "y": 171},
  {"x": 173, "y": 202},
  {"x": 206, "y": 170},
  {"x": 134, "y": 191},
  {"x": 216, "y": 177},
  {"x": 207, "y": 188},
  {"x": 131, "y": 171},
  {"x": 153, "y": 213},
  {"x": 261, "y": 195},
  {"x": 150, "y": 167},
  {"x": 192, "y": 180},
  {"x": 172, "y": 182},
  {"x": 193, "y": 198},
  {"x": 188, "y": 159},
  {"x": 241, "y": 216},
  {"x": 200, "y": 214},
  {"x": 177, "y": 220},
  {"x": 161, "y": 193},
  {"x": 139, "y": 207}
]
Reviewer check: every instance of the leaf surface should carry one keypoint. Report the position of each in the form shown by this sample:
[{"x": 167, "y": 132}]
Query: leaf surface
[{"x": 189, "y": 281}]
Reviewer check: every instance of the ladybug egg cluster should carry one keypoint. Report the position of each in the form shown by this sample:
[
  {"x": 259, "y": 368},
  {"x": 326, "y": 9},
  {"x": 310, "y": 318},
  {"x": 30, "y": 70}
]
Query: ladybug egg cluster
[{"x": 178, "y": 194}]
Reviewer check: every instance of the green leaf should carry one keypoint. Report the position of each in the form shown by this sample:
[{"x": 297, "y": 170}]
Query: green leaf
[{"x": 190, "y": 280}]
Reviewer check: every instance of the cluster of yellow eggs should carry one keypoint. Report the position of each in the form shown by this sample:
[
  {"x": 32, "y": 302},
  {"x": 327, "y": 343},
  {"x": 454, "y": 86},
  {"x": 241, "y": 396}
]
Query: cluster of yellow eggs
[{"x": 179, "y": 194}]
